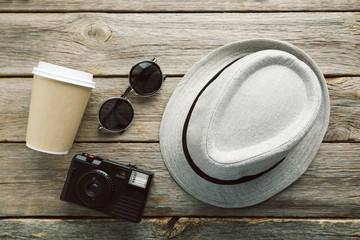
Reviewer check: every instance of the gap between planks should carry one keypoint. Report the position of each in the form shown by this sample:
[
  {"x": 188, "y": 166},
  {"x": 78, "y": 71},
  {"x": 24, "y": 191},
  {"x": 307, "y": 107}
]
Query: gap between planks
[
  {"x": 175, "y": 12},
  {"x": 176, "y": 218}
]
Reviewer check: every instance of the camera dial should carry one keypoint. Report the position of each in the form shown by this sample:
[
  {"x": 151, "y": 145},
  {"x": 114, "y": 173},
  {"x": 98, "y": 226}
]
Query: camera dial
[{"x": 94, "y": 188}]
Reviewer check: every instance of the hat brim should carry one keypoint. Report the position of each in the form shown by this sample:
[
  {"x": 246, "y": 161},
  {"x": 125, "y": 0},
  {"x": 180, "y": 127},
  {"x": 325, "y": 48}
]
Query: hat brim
[{"x": 259, "y": 189}]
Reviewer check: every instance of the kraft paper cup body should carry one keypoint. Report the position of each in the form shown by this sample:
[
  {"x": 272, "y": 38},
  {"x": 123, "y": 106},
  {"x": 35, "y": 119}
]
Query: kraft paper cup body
[{"x": 58, "y": 101}]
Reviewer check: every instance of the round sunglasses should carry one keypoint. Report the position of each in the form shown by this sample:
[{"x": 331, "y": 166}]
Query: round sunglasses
[{"x": 116, "y": 114}]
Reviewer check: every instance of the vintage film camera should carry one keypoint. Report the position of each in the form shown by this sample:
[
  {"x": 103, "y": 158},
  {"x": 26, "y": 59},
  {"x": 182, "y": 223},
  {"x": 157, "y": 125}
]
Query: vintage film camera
[{"x": 107, "y": 186}]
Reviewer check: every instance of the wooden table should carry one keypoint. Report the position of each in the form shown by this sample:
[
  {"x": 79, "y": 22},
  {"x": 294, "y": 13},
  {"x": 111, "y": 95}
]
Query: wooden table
[{"x": 106, "y": 38}]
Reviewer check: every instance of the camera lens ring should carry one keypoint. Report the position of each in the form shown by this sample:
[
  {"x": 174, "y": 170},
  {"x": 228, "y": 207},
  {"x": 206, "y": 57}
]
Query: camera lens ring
[{"x": 94, "y": 188}]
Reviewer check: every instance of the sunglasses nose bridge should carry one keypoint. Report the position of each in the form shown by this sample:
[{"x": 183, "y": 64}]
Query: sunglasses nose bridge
[{"x": 127, "y": 91}]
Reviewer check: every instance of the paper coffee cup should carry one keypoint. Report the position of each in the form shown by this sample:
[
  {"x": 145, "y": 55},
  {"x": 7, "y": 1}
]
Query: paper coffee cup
[{"x": 58, "y": 100}]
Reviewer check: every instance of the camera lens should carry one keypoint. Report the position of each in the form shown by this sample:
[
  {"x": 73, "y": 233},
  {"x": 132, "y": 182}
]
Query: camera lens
[{"x": 94, "y": 188}]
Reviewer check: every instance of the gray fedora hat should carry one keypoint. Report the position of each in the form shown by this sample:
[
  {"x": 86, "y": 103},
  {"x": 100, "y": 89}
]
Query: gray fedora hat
[{"x": 245, "y": 122}]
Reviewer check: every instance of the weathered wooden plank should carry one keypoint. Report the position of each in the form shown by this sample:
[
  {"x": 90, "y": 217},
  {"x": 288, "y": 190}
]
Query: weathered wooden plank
[
  {"x": 344, "y": 111},
  {"x": 82, "y": 229},
  {"x": 184, "y": 228},
  {"x": 173, "y": 5},
  {"x": 109, "y": 44},
  {"x": 15, "y": 98},
  {"x": 31, "y": 183}
]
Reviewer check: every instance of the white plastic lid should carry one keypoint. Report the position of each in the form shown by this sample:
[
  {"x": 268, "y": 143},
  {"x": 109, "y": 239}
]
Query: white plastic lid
[{"x": 64, "y": 74}]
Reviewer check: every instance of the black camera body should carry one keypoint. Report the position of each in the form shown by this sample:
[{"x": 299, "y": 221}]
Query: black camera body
[{"x": 107, "y": 186}]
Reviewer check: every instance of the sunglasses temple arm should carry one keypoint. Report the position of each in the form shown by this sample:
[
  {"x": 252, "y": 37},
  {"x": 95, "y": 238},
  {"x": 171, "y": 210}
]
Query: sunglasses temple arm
[{"x": 127, "y": 91}]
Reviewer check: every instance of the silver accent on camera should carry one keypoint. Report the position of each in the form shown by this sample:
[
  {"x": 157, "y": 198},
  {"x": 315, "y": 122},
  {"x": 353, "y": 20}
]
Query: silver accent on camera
[
  {"x": 80, "y": 157},
  {"x": 138, "y": 179}
]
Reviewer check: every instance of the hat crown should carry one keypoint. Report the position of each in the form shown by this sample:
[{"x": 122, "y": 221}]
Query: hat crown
[
  {"x": 252, "y": 114},
  {"x": 199, "y": 122}
]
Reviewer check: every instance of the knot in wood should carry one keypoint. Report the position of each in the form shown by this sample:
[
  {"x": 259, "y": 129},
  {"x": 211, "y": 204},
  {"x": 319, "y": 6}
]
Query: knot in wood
[
  {"x": 96, "y": 34},
  {"x": 338, "y": 133}
]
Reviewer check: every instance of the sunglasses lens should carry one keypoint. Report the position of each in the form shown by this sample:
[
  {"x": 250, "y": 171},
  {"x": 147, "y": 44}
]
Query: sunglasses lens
[
  {"x": 146, "y": 78},
  {"x": 116, "y": 114}
]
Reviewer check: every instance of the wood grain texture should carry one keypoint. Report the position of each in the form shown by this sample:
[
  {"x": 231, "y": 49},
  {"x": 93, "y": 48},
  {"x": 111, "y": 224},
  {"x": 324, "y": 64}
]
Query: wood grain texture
[
  {"x": 184, "y": 228},
  {"x": 109, "y": 44},
  {"x": 323, "y": 204},
  {"x": 83, "y": 229},
  {"x": 344, "y": 109},
  {"x": 179, "y": 6},
  {"x": 31, "y": 183},
  {"x": 189, "y": 228},
  {"x": 15, "y": 98}
]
